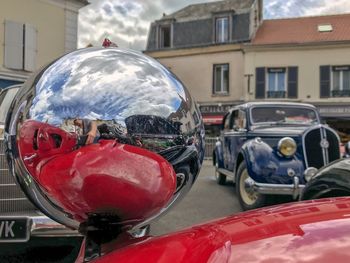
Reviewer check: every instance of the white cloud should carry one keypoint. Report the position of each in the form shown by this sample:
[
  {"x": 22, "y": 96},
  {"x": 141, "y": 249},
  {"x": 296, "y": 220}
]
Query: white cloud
[{"x": 127, "y": 22}]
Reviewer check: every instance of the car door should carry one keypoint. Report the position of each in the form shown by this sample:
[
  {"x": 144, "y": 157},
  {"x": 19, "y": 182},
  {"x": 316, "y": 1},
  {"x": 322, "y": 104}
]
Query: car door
[{"x": 235, "y": 137}]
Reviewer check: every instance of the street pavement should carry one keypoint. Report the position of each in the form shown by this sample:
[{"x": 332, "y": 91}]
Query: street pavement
[{"x": 206, "y": 201}]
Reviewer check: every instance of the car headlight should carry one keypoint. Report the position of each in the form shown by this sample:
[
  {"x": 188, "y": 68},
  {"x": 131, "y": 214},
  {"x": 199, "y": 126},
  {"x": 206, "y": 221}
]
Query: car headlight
[{"x": 287, "y": 146}]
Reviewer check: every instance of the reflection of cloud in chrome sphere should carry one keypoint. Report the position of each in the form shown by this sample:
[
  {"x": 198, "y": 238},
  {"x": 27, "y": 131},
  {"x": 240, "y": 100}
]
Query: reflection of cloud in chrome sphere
[{"x": 99, "y": 84}]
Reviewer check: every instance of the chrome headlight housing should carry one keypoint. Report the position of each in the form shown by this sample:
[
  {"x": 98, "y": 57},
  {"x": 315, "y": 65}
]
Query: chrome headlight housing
[{"x": 287, "y": 146}]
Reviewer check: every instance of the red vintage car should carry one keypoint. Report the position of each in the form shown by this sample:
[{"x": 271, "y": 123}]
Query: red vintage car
[
  {"x": 313, "y": 231},
  {"x": 105, "y": 140}
]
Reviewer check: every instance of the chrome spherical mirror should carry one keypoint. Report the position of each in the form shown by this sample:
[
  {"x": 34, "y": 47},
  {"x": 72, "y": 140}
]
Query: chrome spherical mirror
[{"x": 104, "y": 134}]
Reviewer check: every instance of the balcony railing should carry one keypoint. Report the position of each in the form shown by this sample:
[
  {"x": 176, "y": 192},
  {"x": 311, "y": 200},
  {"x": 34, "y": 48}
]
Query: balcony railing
[
  {"x": 340, "y": 93},
  {"x": 276, "y": 94}
]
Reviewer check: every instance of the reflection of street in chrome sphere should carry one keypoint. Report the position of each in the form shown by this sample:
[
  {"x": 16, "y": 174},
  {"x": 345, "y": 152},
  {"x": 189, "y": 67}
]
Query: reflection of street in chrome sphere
[{"x": 108, "y": 133}]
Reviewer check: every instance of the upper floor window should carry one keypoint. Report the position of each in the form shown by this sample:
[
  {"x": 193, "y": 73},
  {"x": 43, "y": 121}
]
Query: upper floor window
[
  {"x": 165, "y": 36},
  {"x": 221, "y": 29},
  {"x": 276, "y": 83},
  {"x": 221, "y": 79},
  {"x": 20, "y": 46},
  {"x": 341, "y": 81},
  {"x": 335, "y": 81}
]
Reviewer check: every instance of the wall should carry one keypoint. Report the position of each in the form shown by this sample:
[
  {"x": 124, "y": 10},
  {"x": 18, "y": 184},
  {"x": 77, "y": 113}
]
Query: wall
[
  {"x": 49, "y": 21},
  {"x": 194, "y": 67},
  {"x": 307, "y": 58}
]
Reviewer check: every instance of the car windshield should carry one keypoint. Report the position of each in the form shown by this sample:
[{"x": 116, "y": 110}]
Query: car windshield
[
  {"x": 6, "y": 98},
  {"x": 283, "y": 115}
]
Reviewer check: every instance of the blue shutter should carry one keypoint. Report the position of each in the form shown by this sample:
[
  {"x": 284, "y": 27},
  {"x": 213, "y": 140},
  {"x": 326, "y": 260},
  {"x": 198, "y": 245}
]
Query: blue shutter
[
  {"x": 260, "y": 83},
  {"x": 293, "y": 82},
  {"x": 325, "y": 81}
]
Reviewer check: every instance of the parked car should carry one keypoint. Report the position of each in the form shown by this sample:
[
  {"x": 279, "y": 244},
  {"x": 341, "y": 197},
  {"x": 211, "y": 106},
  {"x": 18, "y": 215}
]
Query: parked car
[
  {"x": 31, "y": 224},
  {"x": 270, "y": 149}
]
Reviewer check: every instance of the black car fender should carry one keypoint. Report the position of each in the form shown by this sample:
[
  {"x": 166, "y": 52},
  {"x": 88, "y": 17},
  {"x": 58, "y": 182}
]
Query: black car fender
[{"x": 332, "y": 180}]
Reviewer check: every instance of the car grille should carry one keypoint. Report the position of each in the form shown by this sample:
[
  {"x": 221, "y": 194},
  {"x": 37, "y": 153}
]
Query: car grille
[
  {"x": 321, "y": 146},
  {"x": 12, "y": 199}
]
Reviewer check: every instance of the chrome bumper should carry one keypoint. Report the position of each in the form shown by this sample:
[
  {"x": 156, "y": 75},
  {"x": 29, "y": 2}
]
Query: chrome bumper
[
  {"x": 42, "y": 226},
  {"x": 294, "y": 189}
]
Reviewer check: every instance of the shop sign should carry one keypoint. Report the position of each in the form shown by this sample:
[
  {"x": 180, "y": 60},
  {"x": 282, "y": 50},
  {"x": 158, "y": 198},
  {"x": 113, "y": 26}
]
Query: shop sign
[
  {"x": 334, "y": 111},
  {"x": 215, "y": 108}
]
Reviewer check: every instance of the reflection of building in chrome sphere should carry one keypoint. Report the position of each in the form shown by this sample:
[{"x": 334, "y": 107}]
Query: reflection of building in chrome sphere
[{"x": 146, "y": 140}]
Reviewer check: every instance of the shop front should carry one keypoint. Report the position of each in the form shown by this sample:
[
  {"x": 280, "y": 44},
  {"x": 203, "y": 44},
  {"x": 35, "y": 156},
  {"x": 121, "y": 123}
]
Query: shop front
[
  {"x": 338, "y": 117},
  {"x": 213, "y": 115}
]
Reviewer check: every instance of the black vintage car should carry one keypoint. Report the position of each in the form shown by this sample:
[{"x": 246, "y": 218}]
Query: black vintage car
[
  {"x": 271, "y": 149},
  {"x": 332, "y": 180}
]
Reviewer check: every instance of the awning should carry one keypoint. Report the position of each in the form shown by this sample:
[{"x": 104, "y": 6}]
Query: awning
[{"x": 213, "y": 120}]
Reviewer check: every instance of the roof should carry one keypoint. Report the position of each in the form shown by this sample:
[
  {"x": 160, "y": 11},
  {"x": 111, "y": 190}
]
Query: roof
[
  {"x": 205, "y": 10},
  {"x": 303, "y": 30}
]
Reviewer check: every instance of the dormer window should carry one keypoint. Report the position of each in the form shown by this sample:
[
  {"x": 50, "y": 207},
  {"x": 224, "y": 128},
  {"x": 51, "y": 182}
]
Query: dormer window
[
  {"x": 222, "y": 29},
  {"x": 165, "y": 36}
]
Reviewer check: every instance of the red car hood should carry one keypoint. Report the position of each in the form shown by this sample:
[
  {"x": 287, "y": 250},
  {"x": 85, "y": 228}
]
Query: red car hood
[{"x": 313, "y": 231}]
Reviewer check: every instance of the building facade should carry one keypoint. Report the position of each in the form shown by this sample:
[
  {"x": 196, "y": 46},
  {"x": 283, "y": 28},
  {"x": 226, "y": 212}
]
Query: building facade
[
  {"x": 226, "y": 54},
  {"x": 202, "y": 45},
  {"x": 303, "y": 59},
  {"x": 34, "y": 35}
]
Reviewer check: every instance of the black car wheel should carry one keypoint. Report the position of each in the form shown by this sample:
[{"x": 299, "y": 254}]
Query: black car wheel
[
  {"x": 247, "y": 197},
  {"x": 220, "y": 178}
]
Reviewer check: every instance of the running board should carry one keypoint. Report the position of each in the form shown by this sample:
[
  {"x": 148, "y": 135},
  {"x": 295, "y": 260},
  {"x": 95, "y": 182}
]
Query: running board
[{"x": 227, "y": 173}]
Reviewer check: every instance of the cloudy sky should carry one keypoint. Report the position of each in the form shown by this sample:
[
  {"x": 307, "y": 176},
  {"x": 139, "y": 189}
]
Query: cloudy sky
[{"x": 127, "y": 22}]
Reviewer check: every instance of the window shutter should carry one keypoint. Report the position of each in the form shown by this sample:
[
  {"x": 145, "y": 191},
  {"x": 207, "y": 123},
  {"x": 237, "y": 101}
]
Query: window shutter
[
  {"x": 293, "y": 82},
  {"x": 30, "y": 47},
  {"x": 260, "y": 83},
  {"x": 325, "y": 81},
  {"x": 13, "y": 57}
]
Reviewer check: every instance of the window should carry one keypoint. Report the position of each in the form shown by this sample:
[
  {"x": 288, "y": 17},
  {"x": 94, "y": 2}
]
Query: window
[
  {"x": 239, "y": 121},
  {"x": 227, "y": 121},
  {"x": 221, "y": 79},
  {"x": 221, "y": 30},
  {"x": 20, "y": 46},
  {"x": 341, "y": 81},
  {"x": 276, "y": 85},
  {"x": 165, "y": 36}
]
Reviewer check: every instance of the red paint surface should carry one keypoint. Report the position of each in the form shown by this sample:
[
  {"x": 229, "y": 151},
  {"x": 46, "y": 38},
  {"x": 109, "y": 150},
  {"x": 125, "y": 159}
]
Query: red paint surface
[
  {"x": 309, "y": 232},
  {"x": 127, "y": 181}
]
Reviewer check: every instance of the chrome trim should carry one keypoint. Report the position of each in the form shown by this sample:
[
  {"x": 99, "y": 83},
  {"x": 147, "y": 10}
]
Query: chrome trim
[
  {"x": 294, "y": 189},
  {"x": 309, "y": 173},
  {"x": 42, "y": 226},
  {"x": 321, "y": 127},
  {"x": 324, "y": 149}
]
